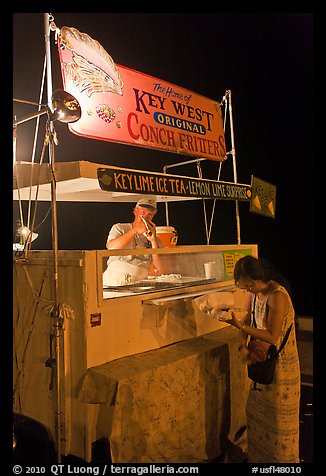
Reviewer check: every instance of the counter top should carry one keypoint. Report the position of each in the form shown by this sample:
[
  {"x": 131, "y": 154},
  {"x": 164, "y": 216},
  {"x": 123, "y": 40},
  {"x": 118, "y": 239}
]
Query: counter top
[{"x": 153, "y": 284}]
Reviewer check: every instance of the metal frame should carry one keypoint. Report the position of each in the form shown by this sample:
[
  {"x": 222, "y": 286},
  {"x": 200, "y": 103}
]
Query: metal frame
[
  {"x": 57, "y": 334},
  {"x": 228, "y": 102}
]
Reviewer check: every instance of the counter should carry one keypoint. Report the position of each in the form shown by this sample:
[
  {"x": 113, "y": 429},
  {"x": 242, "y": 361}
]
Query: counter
[
  {"x": 100, "y": 329},
  {"x": 176, "y": 404}
]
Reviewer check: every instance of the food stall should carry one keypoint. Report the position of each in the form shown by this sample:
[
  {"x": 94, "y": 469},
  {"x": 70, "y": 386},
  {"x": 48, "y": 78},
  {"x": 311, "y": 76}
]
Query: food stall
[{"x": 143, "y": 365}]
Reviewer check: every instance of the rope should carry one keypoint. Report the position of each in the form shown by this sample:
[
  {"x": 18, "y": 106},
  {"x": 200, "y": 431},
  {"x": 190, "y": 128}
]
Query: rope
[
  {"x": 35, "y": 140},
  {"x": 209, "y": 232}
]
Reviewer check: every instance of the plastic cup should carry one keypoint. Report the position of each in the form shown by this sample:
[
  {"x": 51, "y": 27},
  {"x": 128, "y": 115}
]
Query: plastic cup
[{"x": 210, "y": 270}]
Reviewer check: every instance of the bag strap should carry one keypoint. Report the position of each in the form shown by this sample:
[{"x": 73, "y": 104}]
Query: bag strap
[
  {"x": 285, "y": 338},
  {"x": 253, "y": 312}
]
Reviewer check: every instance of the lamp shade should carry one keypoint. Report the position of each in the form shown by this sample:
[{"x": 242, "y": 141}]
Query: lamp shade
[
  {"x": 66, "y": 107},
  {"x": 25, "y": 235}
]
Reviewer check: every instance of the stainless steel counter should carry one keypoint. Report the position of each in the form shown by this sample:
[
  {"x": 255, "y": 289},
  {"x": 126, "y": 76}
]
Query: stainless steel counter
[{"x": 151, "y": 285}]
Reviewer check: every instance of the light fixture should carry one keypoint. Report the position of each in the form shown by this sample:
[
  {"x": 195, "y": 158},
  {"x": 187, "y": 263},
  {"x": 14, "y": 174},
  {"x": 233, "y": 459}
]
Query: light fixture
[
  {"x": 25, "y": 235},
  {"x": 65, "y": 107}
]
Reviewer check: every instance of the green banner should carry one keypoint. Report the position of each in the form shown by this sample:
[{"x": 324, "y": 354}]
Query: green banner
[{"x": 230, "y": 257}]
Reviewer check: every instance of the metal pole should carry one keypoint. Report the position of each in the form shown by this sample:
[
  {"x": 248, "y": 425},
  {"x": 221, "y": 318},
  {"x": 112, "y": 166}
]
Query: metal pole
[
  {"x": 235, "y": 178},
  {"x": 183, "y": 163},
  {"x": 177, "y": 165},
  {"x": 55, "y": 327},
  {"x": 30, "y": 116}
]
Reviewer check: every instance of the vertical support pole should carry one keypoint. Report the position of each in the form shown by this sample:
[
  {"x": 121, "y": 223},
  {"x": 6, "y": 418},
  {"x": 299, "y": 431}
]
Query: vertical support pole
[
  {"x": 55, "y": 324},
  {"x": 167, "y": 220},
  {"x": 235, "y": 178}
]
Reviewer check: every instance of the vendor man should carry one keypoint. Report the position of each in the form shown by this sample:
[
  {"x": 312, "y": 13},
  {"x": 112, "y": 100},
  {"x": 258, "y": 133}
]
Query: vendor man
[{"x": 141, "y": 233}]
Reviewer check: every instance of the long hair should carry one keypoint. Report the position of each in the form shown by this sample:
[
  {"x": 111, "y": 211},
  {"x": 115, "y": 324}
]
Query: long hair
[{"x": 260, "y": 269}]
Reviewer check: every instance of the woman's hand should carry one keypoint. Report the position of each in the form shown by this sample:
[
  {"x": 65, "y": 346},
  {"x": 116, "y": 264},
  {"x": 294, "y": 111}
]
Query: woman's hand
[
  {"x": 244, "y": 353},
  {"x": 217, "y": 312},
  {"x": 234, "y": 321}
]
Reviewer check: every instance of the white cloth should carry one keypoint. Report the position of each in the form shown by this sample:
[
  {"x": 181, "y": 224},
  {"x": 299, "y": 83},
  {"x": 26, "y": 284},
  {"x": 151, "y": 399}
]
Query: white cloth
[{"x": 119, "y": 273}]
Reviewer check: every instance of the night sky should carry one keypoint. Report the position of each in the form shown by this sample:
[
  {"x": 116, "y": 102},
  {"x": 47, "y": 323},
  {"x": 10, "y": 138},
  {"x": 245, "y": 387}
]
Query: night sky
[{"x": 265, "y": 59}]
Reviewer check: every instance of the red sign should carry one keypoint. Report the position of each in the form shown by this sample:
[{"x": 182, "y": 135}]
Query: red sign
[{"x": 122, "y": 105}]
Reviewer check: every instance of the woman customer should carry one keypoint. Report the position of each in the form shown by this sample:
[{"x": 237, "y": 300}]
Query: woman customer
[{"x": 272, "y": 410}]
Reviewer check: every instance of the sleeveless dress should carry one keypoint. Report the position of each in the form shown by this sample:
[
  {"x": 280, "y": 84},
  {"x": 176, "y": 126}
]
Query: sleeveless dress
[{"x": 273, "y": 410}]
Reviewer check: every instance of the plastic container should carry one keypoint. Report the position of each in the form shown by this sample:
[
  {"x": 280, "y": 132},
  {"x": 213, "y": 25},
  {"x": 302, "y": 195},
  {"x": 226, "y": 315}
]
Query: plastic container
[{"x": 168, "y": 235}]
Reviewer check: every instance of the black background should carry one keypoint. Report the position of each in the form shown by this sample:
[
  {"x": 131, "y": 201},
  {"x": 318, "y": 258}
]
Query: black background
[{"x": 265, "y": 59}]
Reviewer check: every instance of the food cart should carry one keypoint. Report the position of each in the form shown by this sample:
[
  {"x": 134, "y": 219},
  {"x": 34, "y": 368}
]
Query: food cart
[{"x": 142, "y": 364}]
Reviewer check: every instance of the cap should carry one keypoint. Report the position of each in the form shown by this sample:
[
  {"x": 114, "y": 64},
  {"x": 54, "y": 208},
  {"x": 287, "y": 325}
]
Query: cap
[{"x": 147, "y": 203}]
